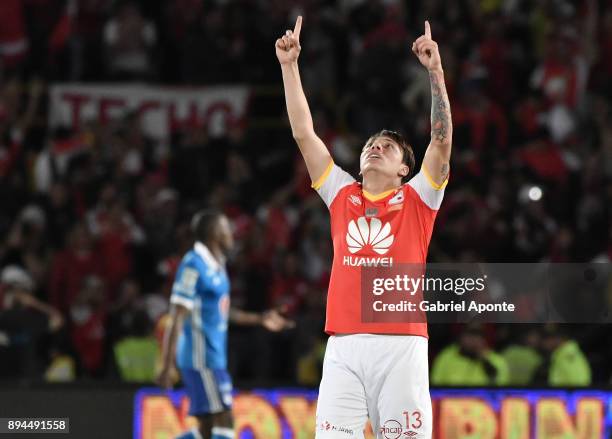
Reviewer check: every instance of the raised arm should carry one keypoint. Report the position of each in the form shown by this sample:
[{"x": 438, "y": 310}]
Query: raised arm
[
  {"x": 313, "y": 149},
  {"x": 437, "y": 157}
]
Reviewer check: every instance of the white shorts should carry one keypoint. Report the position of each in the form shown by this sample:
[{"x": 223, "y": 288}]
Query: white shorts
[{"x": 383, "y": 377}]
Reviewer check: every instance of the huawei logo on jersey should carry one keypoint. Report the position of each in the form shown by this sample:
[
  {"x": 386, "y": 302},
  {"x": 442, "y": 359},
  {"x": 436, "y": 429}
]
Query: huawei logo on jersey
[{"x": 362, "y": 233}]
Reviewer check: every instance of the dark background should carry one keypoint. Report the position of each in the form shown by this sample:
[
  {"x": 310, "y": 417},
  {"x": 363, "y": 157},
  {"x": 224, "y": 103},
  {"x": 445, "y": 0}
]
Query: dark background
[{"x": 529, "y": 88}]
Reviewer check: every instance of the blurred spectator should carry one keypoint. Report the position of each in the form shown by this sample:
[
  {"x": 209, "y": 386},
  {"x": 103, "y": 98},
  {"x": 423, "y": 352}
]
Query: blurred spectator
[
  {"x": 88, "y": 332},
  {"x": 479, "y": 121},
  {"x": 310, "y": 365},
  {"x": 523, "y": 357},
  {"x": 567, "y": 366},
  {"x": 117, "y": 232},
  {"x": 469, "y": 363},
  {"x": 13, "y": 36},
  {"x": 376, "y": 88},
  {"x": 288, "y": 287},
  {"x": 495, "y": 51},
  {"x": 60, "y": 212},
  {"x": 166, "y": 267},
  {"x": 276, "y": 221},
  {"x": 26, "y": 244},
  {"x": 62, "y": 367},
  {"x": 123, "y": 310},
  {"x": 160, "y": 221},
  {"x": 136, "y": 354},
  {"x": 87, "y": 29},
  {"x": 71, "y": 266},
  {"x": 24, "y": 321},
  {"x": 318, "y": 53},
  {"x": 129, "y": 39}
]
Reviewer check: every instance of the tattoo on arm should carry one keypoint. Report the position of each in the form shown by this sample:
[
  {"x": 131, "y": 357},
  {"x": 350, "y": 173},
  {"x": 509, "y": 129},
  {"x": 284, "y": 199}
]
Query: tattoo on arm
[
  {"x": 440, "y": 109},
  {"x": 444, "y": 171}
]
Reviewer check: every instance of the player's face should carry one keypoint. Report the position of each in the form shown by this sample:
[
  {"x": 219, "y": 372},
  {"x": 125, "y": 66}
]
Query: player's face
[
  {"x": 224, "y": 233},
  {"x": 384, "y": 155}
]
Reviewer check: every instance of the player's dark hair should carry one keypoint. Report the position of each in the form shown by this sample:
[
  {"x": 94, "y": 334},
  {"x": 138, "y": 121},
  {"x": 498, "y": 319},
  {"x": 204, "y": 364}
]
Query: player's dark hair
[
  {"x": 203, "y": 223},
  {"x": 408, "y": 153}
]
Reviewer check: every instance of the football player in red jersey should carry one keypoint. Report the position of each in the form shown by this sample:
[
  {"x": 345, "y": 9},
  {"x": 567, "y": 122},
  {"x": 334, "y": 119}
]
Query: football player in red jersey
[{"x": 373, "y": 369}]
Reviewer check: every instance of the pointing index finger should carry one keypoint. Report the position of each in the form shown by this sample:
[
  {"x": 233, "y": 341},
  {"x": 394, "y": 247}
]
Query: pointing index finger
[
  {"x": 427, "y": 29},
  {"x": 298, "y": 27}
]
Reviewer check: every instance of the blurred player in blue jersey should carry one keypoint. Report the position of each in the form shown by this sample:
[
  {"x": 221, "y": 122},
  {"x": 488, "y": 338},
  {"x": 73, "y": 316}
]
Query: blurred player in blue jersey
[{"x": 197, "y": 332}]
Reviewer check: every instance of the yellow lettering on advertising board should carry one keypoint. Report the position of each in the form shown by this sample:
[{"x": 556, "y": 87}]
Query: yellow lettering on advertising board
[
  {"x": 466, "y": 418},
  {"x": 254, "y": 413},
  {"x": 161, "y": 420},
  {"x": 514, "y": 419},
  {"x": 554, "y": 422},
  {"x": 300, "y": 415}
]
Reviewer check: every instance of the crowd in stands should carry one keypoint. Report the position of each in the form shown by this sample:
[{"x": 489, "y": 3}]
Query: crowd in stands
[{"x": 89, "y": 241}]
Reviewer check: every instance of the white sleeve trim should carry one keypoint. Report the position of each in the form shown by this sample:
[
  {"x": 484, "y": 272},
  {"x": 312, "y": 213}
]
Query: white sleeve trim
[
  {"x": 333, "y": 183},
  {"x": 178, "y": 300},
  {"x": 430, "y": 195}
]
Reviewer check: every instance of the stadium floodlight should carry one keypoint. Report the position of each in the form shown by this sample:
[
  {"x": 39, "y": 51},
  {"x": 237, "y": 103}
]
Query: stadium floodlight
[{"x": 535, "y": 193}]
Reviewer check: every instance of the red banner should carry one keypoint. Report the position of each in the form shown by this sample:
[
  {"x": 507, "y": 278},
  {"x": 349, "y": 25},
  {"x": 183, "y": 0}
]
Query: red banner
[{"x": 161, "y": 110}]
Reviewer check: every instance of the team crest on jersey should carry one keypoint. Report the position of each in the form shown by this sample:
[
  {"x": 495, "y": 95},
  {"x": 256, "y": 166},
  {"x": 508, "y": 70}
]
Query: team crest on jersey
[
  {"x": 355, "y": 200},
  {"x": 373, "y": 233}
]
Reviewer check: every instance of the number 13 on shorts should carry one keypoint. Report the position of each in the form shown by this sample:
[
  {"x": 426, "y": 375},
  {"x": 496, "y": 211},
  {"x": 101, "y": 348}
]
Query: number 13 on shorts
[{"x": 413, "y": 420}]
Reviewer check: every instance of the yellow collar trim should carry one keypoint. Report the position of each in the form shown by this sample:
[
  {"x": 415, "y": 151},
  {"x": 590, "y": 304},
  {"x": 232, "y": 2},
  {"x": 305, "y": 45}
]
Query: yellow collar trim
[{"x": 372, "y": 197}]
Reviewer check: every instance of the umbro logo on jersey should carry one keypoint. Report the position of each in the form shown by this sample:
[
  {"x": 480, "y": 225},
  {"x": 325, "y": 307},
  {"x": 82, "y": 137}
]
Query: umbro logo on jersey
[
  {"x": 373, "y": 233},
  {"x": 355, "y": 200},
  {"x": 397, "y": 199}
]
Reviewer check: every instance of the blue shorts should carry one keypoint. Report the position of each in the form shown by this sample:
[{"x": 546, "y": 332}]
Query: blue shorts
[{"x": 209, "y": 390}]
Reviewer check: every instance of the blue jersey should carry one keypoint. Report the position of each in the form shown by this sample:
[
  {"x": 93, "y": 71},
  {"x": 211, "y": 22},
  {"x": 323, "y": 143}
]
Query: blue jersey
[{"x": 202, "y": 286}]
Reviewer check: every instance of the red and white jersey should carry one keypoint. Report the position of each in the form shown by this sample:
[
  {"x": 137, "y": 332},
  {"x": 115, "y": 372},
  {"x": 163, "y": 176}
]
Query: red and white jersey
[{"x": 376, "y": 230}]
